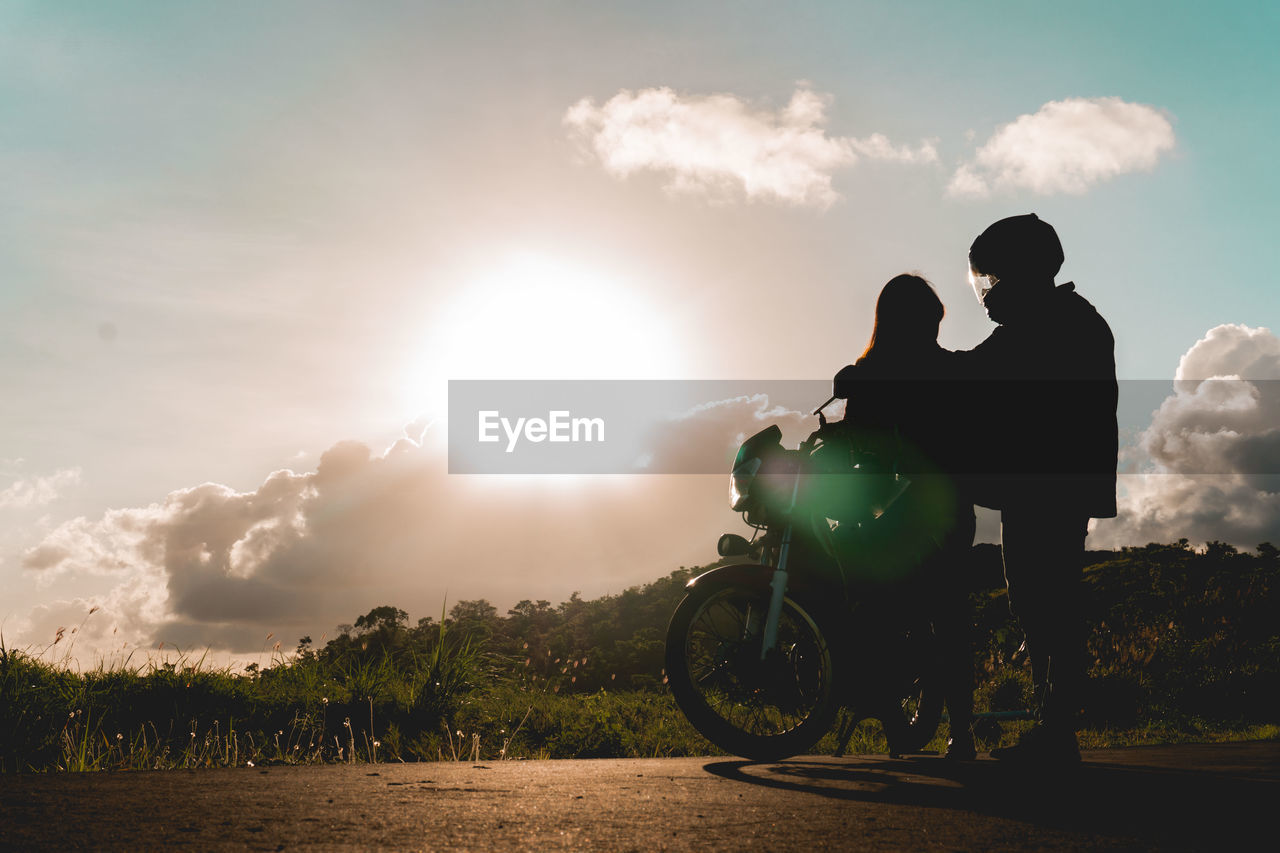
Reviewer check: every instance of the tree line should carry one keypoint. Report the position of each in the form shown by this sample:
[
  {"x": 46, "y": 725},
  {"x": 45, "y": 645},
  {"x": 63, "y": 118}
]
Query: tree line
[{"x": 1173, "y": 629}]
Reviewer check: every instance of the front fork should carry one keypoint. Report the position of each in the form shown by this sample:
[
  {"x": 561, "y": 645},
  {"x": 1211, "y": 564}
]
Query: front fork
[
  {"x": 778, "y": 586},
  {"x": 777, "y": 592}
]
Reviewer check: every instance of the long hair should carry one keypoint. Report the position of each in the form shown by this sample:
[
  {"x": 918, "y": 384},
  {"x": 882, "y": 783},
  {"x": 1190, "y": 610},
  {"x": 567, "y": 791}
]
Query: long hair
[{"x": 908, "y": 312}]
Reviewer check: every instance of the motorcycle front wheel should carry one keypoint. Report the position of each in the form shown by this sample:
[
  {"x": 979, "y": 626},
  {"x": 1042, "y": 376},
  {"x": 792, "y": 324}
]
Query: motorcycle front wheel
[{"x": 763, "y": 710}]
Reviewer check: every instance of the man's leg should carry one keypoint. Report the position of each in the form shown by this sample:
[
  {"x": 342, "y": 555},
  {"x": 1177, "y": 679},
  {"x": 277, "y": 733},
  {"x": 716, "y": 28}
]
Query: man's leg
[
  {"x": 1044, "y": 558},
  {"x": 1064, "y": 629}
]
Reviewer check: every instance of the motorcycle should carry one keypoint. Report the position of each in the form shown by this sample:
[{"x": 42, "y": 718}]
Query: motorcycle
[{"x": 764, "y": 653}]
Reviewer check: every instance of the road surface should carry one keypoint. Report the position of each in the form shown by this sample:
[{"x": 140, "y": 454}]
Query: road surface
[{"x": 1219, "y": 797}]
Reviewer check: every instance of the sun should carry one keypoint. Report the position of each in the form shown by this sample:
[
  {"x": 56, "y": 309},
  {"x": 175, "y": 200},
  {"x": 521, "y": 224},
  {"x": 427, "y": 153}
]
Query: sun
[{"x": 533, "y": 315}]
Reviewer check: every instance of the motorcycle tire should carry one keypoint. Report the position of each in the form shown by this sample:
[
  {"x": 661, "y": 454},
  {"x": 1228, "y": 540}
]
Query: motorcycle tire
[
  {"x": 760, "y": 710},
  {"x": 912, "y": 722}
]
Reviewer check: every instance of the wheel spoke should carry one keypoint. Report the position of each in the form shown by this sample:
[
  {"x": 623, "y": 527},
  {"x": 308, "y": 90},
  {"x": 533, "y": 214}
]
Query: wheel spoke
[{"x": 763, "y": 698}]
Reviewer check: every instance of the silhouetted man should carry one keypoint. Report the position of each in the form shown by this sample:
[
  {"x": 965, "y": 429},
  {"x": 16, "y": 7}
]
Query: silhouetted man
[{"x": 1047, "y": 409}]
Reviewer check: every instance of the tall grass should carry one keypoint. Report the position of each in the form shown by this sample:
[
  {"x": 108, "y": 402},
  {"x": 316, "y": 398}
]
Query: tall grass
[{"x": 184, "y": 712}]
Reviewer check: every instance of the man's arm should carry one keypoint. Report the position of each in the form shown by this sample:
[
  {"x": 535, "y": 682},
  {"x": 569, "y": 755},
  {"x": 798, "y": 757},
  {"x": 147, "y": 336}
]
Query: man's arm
[{"x": 988, "y": 359}]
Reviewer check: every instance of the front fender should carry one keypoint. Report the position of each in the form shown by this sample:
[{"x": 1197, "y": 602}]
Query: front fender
[
  {"x": 750, "y": 574},
  {"x": 760, "y": 576}
]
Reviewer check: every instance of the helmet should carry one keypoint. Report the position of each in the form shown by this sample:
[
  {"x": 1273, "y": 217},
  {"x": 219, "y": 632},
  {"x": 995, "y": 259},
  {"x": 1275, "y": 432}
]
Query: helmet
[{"x": 1019, "y": 247}]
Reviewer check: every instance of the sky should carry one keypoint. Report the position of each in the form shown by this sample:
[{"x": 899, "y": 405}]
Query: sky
[{"x": 247, "y": 245}]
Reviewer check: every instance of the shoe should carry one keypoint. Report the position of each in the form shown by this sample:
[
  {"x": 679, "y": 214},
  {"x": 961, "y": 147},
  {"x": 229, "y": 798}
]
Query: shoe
[
  {"x": 1042, "y": 745},
  {"x": 962, "y": 749}
]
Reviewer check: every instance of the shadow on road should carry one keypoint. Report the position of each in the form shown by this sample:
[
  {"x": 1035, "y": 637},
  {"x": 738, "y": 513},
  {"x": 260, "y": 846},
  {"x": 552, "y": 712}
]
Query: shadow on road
[{"x": 1168, "y": 806}]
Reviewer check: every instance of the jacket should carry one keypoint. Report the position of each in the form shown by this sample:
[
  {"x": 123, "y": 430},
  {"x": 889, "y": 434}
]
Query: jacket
[{"x": 1043, "y": 421}]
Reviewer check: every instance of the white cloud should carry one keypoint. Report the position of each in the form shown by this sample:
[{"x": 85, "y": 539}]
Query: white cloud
[
  {"x": 878, "y": 147},
  {"x": 1210, "y": 460},
  {"x": 1230, "y": 350},
  {"x": 99, "y": 630},
  {"x": 110, "y": 546},
  {"x": 1067, "y": 146},
  {"x": 721, "y": 146},
  {"x": 967, "y": 182},
  {"x": 38, "y": 491}
]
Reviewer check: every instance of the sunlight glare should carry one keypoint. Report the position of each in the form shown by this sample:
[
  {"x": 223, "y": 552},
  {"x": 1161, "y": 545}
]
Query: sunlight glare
[{"x": 535, "y": 316}]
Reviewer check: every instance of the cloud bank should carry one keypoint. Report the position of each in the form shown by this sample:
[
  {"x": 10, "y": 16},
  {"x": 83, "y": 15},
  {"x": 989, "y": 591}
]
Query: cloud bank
[
  {"x": 1211, "y": 457},
  {"x": 209, "y": 566},
  {"x": 722, "y": 147},
  {"x": 1067, "y": 146}
]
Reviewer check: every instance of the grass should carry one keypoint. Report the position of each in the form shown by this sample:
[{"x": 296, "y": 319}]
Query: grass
[
  {"x": 443, "y": 706},
  {"x": 182, "y": 714},
  {"x": 1197, "y": 663}
]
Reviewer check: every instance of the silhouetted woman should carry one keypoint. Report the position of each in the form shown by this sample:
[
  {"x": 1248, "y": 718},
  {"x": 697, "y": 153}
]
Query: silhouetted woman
[{"x": 903, "y": 406}]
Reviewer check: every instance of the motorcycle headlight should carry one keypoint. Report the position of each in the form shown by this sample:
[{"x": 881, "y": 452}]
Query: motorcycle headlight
[{"x": 740, "y": 483}]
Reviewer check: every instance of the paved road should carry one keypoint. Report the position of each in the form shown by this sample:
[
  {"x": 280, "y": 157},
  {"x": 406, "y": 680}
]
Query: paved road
[{"x": 1221, "y": 797}]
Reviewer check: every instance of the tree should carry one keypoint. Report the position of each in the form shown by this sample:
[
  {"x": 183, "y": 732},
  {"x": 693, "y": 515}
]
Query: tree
[
  {"x": 478, "y": 610},
  {"x": 1220, "y": 551},
  {"x": 476, "y": 620},
  {"x": 379, "y": 618}
]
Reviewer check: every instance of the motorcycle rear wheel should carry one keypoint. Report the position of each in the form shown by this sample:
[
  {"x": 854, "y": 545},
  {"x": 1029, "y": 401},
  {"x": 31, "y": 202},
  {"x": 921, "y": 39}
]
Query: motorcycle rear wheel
[
  {"x": 912, "y": 721},
  {"x": 911, "y": 727},
  {"x": 761, "y": 710}
]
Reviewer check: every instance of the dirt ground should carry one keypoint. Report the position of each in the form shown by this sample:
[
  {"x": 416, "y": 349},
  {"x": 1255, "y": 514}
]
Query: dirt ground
[{"x": 1206, "y": 797}]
